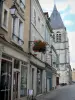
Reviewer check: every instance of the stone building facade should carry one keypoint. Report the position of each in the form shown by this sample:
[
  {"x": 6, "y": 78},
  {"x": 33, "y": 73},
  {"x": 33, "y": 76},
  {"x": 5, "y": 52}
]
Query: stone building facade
[{"x": 61, "y": 45}]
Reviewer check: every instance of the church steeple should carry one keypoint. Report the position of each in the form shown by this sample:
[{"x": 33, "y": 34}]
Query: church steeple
[
  {"x": 55, "y": 19},
  {"x": 55, "y": 8}
]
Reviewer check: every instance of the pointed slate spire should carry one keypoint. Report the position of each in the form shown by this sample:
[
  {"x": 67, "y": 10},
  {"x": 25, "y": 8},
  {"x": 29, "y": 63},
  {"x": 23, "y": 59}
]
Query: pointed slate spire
[{"x": 55, "y": 19}]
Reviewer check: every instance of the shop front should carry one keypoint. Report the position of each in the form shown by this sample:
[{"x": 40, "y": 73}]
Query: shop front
[
  {"x": 13, "y": 76},
  {"x": 38, "y": 74},
  {"x": 48, "y": 79}
]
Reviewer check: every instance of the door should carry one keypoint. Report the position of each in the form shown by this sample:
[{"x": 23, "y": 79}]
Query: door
[
  {"x": 57, "y": 80},
  {"x": 15, "y": 85},
  {"x": 48, "y": 85}
]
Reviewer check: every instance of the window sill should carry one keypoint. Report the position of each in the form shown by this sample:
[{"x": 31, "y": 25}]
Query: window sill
[
  {"x": 5, "y": 28},
  {"x": 16, "y": 43}
]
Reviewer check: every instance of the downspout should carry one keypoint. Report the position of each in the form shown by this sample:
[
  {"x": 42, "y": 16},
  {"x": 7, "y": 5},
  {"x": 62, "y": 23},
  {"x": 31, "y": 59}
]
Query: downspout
[
  {"x": 29, "y": 67},
  {"x": 1, "y": 5}
]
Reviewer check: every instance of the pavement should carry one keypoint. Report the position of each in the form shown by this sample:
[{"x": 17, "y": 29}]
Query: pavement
[{"x": 61, "y": 93}]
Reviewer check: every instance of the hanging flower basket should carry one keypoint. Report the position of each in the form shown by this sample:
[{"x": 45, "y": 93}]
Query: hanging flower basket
[{"x": 39, "y": 46}]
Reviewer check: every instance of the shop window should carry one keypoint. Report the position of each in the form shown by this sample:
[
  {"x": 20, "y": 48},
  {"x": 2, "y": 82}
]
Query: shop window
[
  {"x": 39, "y": 81},
  {"x": 23, "y": 91},
  {"x": 6, "y": 80},
  {"x": 16, "y": 64}
]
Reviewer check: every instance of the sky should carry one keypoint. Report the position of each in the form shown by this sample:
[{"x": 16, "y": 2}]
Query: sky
[{"x": 67, "y": 12}]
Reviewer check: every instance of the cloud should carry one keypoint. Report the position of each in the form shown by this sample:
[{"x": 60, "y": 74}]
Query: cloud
[
  {"x": 71, "y": 36},
  {"x": 68, "y": 22},
  {"x": 71, "y": 3},
  {"x": 66, "y": 8},
  {"x": 48, "y": 5},
  {"x": 72, "y": 65}
]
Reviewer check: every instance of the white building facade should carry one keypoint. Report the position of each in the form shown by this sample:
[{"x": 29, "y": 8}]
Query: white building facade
[{"x": 37, "y": 59}]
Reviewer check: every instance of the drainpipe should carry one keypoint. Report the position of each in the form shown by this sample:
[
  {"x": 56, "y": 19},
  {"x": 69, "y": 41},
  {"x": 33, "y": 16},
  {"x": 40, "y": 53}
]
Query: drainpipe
[
  {"x": 1, "y": 5},
  {"x": 29, "y": 67}
]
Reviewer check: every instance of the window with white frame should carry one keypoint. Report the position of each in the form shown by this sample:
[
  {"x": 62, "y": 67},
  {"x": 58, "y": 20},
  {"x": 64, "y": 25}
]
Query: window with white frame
[
  {"x": 5, "y": 15},
  {"x": 34, "y": 17},
  {"x": 18, "y": 30},
  {"x": 5, "y": 18}
]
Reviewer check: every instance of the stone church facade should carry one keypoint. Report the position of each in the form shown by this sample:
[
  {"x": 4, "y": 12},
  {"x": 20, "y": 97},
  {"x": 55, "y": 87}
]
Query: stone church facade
[{"x": 61, "y": 45}]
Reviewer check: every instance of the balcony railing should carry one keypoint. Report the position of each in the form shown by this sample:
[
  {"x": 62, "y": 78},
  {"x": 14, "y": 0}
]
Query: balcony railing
[{"x": 18, "y": 39}]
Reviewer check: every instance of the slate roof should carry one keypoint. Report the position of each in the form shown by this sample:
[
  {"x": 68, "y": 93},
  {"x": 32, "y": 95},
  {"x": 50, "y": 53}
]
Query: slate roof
[{"x": 55, "y": 19}]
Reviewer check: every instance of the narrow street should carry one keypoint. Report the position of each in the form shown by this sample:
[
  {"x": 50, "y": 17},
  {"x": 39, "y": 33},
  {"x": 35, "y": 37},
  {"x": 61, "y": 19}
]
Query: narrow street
[{"x": 62, "y": 93}]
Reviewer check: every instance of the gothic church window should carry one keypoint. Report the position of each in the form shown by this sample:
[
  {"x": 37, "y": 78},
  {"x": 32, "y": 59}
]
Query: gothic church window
[{"x": 58, "y": 38}]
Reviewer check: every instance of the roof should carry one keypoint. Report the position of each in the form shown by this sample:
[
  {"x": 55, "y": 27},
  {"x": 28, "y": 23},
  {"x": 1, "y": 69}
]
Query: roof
[{"x": 55, "y": 19}]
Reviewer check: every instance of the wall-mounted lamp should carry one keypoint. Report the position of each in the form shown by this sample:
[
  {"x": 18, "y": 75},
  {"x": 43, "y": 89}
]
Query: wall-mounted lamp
[{"x": 13, "y": 10}]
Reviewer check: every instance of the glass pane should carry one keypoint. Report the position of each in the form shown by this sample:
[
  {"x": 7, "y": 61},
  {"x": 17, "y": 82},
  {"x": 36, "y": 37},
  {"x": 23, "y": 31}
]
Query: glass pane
[
  {"x": 15, "y": 86},
  {"x": 39, "y": 81},
  {"x": 23, "y": 81},
  {"x": 6, "y": 78},
  {"x": 16, "y": 64}
]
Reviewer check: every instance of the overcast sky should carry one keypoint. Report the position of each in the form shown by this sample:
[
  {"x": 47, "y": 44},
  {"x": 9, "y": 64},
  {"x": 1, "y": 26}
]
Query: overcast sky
[{"x": 67, "y": 11}]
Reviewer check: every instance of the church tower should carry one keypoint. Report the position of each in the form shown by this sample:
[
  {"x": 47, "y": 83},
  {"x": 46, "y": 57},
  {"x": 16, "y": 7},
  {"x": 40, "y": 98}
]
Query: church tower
[{"x": 61, "y": 45}]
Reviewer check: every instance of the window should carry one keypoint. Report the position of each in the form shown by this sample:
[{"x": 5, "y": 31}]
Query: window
[
  {"x": 5, "y": 18},
  {"x": 53, "y": 37},
  {"x": 23, "y": 91},
  {"x": 39, "y": 19},
  {"x": 16, "y": 64},
  {"x": 22, "y": 3},
  {"x": 34, "y": 17},
  {"x": 18, "y": 31},
  {"x": 58, "y": 37},
  {"x": 39, "y": 81},
  {"x": 5, "y": 15}
]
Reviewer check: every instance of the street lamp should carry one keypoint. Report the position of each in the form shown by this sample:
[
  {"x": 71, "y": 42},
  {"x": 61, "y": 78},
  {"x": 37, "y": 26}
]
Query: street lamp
[{"x": 13, "y": 10}]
